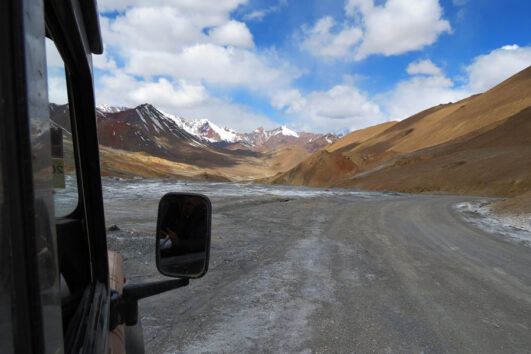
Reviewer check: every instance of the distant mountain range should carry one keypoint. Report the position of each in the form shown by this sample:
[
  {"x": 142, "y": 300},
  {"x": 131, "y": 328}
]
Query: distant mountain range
[
  {"x": 480, "y": 145},
  {"x": 197, "y": 146},
  {"x": 211, "y": 133}
]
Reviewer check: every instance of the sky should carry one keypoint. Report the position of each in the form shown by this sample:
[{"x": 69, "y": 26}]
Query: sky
[{"x": 313, "y": 65}]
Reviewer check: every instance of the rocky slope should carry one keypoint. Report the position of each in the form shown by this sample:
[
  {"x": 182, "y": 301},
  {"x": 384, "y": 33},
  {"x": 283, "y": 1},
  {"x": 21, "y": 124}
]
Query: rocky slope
[
  {"x": 257, "y": 140},
  {"x": 480, "y": 145},
  {"x": 144, "y": 141}
]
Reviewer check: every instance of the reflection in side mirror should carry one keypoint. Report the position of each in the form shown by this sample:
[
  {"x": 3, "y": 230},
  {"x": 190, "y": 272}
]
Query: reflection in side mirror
[{"x": 183, "y": 235}]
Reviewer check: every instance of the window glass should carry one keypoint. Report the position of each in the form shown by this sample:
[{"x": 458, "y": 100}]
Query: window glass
[{"x": 63, "y": 161}]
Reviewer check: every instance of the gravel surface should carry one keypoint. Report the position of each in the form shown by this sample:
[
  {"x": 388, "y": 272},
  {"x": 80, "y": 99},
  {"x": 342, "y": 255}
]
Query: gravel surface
[{"x": 328, "y": 271}]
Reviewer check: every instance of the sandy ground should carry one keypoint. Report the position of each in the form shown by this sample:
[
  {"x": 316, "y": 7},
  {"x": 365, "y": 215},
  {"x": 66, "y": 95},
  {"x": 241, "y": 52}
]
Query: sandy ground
[{"x": 328, "y": 271}]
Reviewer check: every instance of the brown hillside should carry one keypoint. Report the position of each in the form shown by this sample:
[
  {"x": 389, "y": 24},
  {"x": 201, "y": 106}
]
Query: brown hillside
[
  {"x": 322, "y": 168},
  {"x": 496, "y": 162},
  {"x": 286, "y": 158},
  {"x": 479, "y": 145},
  {"x": 353, "y": 139},
  {"x": 128, "y": 164},
  {"x": 516, "y": 205},
  {"x": 447, "y": 122}
]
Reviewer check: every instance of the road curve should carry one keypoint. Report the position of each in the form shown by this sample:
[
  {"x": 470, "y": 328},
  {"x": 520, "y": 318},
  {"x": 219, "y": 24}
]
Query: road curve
[{"x": 394, "y": 273}]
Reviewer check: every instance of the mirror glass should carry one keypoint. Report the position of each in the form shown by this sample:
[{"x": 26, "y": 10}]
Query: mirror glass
[{"x": 183, "y": 235}]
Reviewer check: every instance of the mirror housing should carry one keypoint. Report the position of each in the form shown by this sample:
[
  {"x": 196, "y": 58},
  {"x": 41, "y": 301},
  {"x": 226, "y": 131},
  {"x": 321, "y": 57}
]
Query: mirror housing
[{"x": 183, "y": 235}]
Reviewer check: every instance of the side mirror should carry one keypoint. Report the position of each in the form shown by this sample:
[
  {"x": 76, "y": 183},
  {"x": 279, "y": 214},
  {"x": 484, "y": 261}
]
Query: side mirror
[{"x": 183, "y": 235}]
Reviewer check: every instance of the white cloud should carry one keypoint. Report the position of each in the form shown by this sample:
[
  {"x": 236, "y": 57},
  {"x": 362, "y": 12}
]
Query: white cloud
[
  {"x": 398, "y": 26},
  {"x": 53, "y": 58},
  {"x": 115, "y": 88},
  {"x": 124, "y": 90},
  {"x": 419, "y": 93},
  {"x": 173, "y": 25},
  {"x": 232, "y": 33},
  {"x": 490, "y": 69},
  {"x": 320, "y": 40},
  {"x": 177, "y": 48},
  {"x": 180, "y": 47},
  {"x": 203, "y": 8},
  {"x": 427, "y": 87},
  {"x": 346, "y": 107},
  {"x": 57, "y": 92},
  {"x": 191, "y": 101},
  {"x": 423, "y": 67},
  {"x": 166, "y": 41},
  {"x": 213, "y": 64},
  {"x": 155, "y": 28},
  {"x": 343, "y": 107},
  {"x": 258, "y": 15},
  {"x": 164, "y": 93},
  {"x": 292, "y": 100},
  {"x": 104, "y": 61},
  {"x": 510, "y": 47}
]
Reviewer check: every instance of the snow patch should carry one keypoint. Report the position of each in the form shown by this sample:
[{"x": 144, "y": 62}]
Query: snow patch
[
  {"x": 194, "y": 127},
  {"x": 225, "y": 134},
  {"x": 283, "y": 130},
  {"x": 517, "y": 227},
  {"x": 110, "y": 109},
  {"x": 288, "y": 132}
]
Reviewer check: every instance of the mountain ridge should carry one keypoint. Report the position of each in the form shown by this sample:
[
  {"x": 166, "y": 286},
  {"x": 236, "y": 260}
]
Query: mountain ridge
[
  {"x": 437, "y": 150},
  {"x": 257, "y": 140},
  {"x": 144, "y": 141}
]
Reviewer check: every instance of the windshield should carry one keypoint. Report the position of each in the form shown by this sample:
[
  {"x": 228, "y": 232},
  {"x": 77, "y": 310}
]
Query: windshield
[{"x": 368, "y": 163}]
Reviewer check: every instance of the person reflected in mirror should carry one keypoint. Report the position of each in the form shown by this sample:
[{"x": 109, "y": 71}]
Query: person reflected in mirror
[
  {"x": 183, "y": 231},
  {"x": 170, "y": 239}
]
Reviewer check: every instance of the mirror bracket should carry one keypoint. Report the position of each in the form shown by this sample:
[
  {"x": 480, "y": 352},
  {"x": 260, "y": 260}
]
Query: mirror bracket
[{"x": 124, "y": 307}]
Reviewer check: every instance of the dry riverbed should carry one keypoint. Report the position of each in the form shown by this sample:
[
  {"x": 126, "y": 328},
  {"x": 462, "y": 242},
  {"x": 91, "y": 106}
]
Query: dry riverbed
[{"x": 314, "y": 270}]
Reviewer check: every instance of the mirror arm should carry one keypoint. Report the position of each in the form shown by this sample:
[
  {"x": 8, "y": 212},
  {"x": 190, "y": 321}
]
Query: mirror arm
[
  {"x": 124, "y": 307},
  {"x": 143, "y": 290}
]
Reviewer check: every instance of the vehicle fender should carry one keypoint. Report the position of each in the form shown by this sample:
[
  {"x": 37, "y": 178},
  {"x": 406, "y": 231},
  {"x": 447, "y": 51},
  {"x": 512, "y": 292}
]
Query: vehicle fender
[
  {"x": 123, "y": 339},
  {"x": 116, "y": 338}
]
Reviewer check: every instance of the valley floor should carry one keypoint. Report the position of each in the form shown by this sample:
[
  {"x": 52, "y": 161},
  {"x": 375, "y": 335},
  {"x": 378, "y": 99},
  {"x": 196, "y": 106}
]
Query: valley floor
[{"x": 314, "y": 270}]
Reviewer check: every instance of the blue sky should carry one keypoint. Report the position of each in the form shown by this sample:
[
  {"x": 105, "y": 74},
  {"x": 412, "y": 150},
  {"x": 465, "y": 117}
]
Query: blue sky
[{"x": 312, "y": 65}]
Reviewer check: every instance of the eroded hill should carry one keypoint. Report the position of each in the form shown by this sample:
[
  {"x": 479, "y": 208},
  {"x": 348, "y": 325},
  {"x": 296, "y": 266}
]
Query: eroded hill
[{"x": 480, "y": 145}]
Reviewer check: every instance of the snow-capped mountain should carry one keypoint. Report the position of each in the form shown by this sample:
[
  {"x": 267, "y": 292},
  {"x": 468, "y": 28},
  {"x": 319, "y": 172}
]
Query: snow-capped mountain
[
  {"x": 210, "y": 133},
  {"x": 264, "y": 140},
  {"x": 132, "y": 139},
  {"x": 146, "y": 129},
  {"x": 110, "y": 109},
  {"x": 257, "y": 140},
  {"x": 206, "y": 130}
]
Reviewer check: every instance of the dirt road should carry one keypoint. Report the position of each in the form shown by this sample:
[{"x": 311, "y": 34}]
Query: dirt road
[{"x": 339, "y": 273}]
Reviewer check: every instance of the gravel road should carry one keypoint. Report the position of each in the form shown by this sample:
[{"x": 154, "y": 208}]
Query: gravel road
[{"x": 328, "y": 271}]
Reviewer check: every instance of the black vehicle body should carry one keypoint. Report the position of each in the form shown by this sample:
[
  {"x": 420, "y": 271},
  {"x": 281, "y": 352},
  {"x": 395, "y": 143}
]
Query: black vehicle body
[{"x": 38, "y": 249}]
